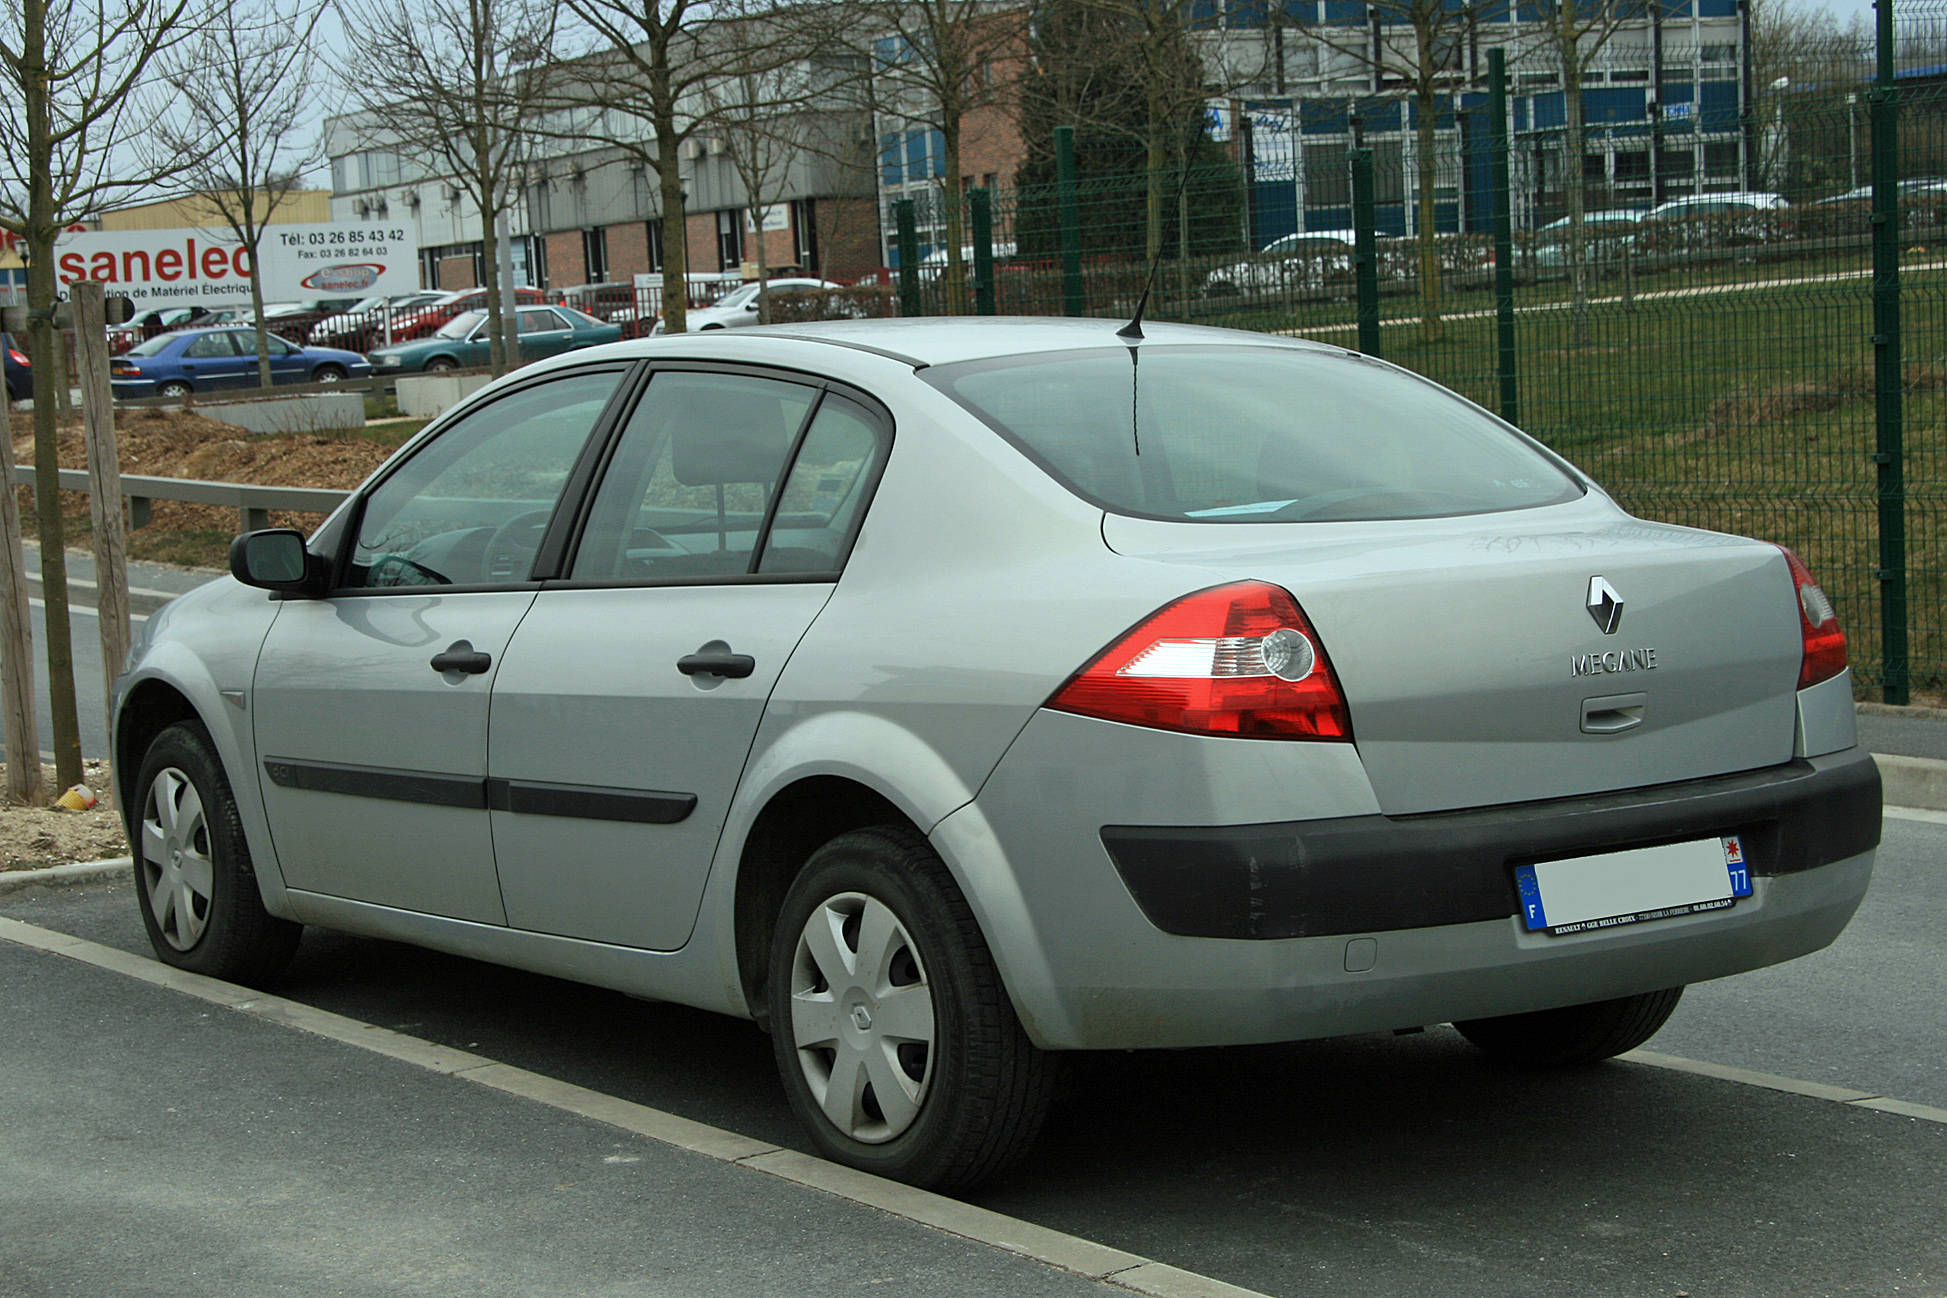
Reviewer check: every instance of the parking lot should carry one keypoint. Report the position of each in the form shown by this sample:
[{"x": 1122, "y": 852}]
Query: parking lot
[{"x": 1392, "y": 1165}]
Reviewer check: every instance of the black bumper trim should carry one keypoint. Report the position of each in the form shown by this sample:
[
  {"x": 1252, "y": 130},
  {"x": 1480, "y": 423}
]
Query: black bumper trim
[{"x": 1370, "y": 874}]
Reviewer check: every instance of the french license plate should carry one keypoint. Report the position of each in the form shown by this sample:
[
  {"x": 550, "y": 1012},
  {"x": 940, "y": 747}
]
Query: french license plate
[{"x": 1613, "y": 889}]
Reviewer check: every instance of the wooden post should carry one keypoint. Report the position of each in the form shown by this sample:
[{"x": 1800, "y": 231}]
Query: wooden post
[
  {"x": 104, "y": 483},
  {"x": 16, "y": 633}
]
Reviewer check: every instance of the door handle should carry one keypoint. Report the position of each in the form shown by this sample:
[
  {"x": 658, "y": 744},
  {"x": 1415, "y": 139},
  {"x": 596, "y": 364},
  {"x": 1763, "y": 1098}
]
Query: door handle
[
  {"x": 460, "y": 656},
  {"x": 721, "y": 663}
]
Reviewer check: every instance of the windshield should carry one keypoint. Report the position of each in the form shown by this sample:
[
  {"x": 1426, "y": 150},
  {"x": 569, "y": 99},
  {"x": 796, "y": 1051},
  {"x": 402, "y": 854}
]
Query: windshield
[
  {"x": 460, "y": 325},
  {"x": 739, "y": 296},
  {"x": 1254, "y": 435},
  {"x": 152, "y": 346}
]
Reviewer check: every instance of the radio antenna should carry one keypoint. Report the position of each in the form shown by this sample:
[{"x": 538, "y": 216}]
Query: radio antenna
[{"x": 1133, "y": 331}]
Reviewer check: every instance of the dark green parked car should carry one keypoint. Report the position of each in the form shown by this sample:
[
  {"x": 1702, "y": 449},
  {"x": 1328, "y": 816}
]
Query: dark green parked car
[{"x": 461, "y": 342}]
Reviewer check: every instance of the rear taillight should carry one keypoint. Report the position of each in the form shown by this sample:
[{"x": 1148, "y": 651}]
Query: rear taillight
[
  {"x": 1238, "y": 660},
  {"x": 1825, "y": 643},
  {"x": 13, "y": 354}
]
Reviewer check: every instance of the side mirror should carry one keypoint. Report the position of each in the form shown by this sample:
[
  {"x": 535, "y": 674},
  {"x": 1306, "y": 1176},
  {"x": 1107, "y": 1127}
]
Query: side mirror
[{"x": 274, "y": 560}]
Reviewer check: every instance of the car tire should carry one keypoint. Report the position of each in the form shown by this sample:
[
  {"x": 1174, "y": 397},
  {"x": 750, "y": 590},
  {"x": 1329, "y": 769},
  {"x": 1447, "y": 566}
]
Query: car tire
[
  {"x": 195, "y": 883},
  {"x": 1575, "y": 1034},
  {"x": 328, "y": 374},
  {"x": 440, "y": 364},
  {"x": 881, "y": 982},
  {"x": 173, "y": 388}
]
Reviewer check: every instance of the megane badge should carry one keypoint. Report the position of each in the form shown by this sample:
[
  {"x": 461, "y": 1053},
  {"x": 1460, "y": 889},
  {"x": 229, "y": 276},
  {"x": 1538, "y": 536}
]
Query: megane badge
[{"x": 1605, "y": 605}]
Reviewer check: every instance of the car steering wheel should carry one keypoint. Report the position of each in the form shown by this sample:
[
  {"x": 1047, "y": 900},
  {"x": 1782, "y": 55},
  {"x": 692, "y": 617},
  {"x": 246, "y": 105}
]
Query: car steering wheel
[{"x": 518, "y": 537}]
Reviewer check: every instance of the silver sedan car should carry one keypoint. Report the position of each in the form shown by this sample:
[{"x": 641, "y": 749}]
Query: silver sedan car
[{"x": 946, "y": 695}]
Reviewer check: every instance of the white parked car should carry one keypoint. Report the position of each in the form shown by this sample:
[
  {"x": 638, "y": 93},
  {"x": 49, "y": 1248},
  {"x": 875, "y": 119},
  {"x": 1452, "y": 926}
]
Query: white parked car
[
  {"x": 738, "y": 308},
  {"x": 1307, "y": 260}
]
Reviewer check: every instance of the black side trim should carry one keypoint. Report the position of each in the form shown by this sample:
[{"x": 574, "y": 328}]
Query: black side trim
[
  {"x": 377, "y": 782},
  {"x": 529, "y": 797},
  {"x": 589, "y": 802},
  {"x": 1369, "y": 874}
]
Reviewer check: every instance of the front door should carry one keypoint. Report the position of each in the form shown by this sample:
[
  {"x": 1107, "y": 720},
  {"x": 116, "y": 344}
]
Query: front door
[
  {"x": 632, "y": 691},
  {"x": 371, "y": 705}
]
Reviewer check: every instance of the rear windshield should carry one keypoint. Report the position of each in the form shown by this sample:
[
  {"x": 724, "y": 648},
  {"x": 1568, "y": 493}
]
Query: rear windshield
[{"x": 1253, "y": 435}]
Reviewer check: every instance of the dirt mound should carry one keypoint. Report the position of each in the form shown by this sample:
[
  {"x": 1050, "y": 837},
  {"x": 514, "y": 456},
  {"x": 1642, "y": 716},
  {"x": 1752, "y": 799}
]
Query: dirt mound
[{"x": 184, "y": 444}]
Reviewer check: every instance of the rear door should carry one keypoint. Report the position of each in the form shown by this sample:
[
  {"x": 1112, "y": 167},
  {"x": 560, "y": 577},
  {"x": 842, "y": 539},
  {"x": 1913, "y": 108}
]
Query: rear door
[
  {"x": 630, "y": 695},
  {"x": 211, "y": 361},
  {"x": 543, "y": 333}
]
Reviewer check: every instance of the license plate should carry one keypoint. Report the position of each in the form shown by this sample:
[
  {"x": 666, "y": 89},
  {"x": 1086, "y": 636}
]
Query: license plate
[{"x": 1613, "y": 889}]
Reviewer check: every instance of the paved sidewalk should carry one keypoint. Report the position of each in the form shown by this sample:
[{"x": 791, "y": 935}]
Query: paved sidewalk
[{"x": 226, "y": 1153}]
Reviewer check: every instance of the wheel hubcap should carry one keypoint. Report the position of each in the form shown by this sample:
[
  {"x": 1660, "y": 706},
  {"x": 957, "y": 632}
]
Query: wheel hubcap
[
  {"x": 862, "y": 1017},
  {"x": 177, "y": 872}
]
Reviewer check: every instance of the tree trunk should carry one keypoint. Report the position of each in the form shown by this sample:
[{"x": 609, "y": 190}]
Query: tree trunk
[
  {"x": 763, "y": 264},
  {"x": 676, "y": 234},
  {"x": 16, "y": 635},
  {"x": 1432, "y": 328},
  {"x": 42, "y": 343},
  {"x": 1578, "y": 261},
  {"x": 257, "y": 309},
  {"x": 497, "y": 356}
]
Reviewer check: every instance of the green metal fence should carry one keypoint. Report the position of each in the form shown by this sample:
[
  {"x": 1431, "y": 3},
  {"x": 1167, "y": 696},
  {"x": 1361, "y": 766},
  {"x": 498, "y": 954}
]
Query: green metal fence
[{"x": 1776, "y": 371}]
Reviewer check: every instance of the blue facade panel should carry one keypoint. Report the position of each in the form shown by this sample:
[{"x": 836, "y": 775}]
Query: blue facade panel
[
  {"x": 1717, "y": 8},
  {"x": 1274, "y": 210},
  {"x": 1621, "y": 104},
  {"x": 1551, "y": 111},
  {"x": 1717, "y": 106}
]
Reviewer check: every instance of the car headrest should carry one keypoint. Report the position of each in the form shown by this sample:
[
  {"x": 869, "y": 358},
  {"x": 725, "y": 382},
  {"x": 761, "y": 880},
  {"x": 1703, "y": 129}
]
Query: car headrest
[{"x": 728, "y": 436}]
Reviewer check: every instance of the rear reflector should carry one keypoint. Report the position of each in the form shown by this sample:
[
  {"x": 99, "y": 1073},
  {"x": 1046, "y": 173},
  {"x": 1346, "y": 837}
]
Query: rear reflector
[
  {"x": 1825, "y": 643},
  {"x": 1238, "y": 660}
]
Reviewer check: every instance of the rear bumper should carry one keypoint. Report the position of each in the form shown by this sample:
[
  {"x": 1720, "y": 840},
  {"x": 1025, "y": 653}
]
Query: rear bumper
[
  {"x": 1389, "y": 932},
  {"x": 1360, "y": 873}
]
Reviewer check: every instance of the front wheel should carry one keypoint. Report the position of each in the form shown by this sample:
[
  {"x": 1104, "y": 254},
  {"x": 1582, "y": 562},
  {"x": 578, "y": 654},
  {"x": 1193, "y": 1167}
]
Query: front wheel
[
  {"x": 897, "y": 1044},
  {"x": 194, "y": 881},
  {"x": 1574, "y": 1034},
  {"x": 328, "y": 374}
]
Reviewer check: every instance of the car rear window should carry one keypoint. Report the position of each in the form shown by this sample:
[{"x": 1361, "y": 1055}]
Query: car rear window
[{"x": 1254, "y": 435}]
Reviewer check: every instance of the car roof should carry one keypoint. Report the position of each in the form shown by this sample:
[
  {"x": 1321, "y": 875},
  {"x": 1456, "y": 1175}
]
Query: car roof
[{"x": 945, "y": 340}]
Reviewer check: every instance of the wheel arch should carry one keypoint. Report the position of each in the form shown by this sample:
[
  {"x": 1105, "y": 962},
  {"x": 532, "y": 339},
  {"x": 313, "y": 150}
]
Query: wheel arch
[
  {"x": 150, "y": 707},
  {"x": 797, "y": 820}
]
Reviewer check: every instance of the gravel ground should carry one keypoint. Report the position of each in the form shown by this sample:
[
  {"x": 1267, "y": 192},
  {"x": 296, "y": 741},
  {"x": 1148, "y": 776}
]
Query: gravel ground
[{"x": 32, "y": 838}]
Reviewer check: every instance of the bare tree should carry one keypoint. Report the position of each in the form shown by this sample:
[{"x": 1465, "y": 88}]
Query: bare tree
[
  {"x": 648, "y": 92},
  {"x": 248, "y": 83},
  {"x": 454, "y": 85},
  {"x": 933, "y": 63},
  {"x": 1416, "y": 49},
  {"x": 775, "y": 119},
  {"x": 1576, "y": 32},
  {"x": 78, "y": 108}
]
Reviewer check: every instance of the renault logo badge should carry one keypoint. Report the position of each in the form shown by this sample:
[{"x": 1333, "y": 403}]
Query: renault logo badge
[{"x": 1605, "y": 605}]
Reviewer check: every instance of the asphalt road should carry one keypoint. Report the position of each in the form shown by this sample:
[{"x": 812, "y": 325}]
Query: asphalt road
[{"x": 1381, "y": 1165}]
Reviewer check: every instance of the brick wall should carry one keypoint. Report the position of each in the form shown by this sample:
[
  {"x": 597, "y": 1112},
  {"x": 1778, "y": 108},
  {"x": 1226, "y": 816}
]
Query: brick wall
[
  {"x": 563, "y": 259},
  {"x": 848, "y": 237},
  {"x": 456, "y": 273},
  {"x": 628, "y": 251},
  {"x": 702, "y": 230}
]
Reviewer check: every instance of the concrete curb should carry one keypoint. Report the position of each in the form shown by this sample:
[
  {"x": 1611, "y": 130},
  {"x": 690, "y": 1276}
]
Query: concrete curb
[
  {"x": 64, "y": 876},
  {"x": 1913, "y": 781}
]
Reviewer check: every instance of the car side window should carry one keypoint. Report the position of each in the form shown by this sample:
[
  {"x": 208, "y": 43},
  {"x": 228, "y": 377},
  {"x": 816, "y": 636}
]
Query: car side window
[
  {"x": 277, "y": 346},
  {"x": 825, "y": 491},
  {"x": 539, "y": 322},
  {"x": 209, "y": 346},
  {"x": 471, "y": 506},
  {"x": 692, "y": 478}
]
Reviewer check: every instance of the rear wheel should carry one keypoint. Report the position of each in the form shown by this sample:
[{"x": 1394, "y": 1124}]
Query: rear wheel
[
  {"x": 1574, "y": 1034},
  {"x": 194, "y": 881},
  {"x": 173, "y": 388},
  {"x": 896, "y": 1042},
  {"x": 441, "y": 363}
]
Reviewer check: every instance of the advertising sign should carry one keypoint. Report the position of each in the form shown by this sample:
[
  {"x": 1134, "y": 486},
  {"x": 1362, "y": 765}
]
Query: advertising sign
[{"x": 300, "y": 262}]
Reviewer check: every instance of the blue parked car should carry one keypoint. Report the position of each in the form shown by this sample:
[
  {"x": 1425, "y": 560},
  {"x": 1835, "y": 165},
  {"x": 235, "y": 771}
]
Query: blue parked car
[
  {"x": 13, "y": 359},
  {"x": 208, "y": 360}
]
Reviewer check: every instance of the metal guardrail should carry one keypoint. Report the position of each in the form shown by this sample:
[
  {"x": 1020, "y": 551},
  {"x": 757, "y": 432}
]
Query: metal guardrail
[{"x": 253, "y": 503}]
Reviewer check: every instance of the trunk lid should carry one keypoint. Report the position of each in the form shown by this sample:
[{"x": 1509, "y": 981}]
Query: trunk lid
[{"x": 1475, "y": 670}]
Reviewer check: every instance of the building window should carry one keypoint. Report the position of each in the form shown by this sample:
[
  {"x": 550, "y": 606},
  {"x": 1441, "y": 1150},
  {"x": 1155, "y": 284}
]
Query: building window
[
  {"x": 594, "y": 253},
  {"x": 654, "y": 230},
  {"x": 804, "y": 234},
  {"x": 1633, "y": 167},
  {"x": 730, "y": 239},
  {"x": 1721, "y": 159}
]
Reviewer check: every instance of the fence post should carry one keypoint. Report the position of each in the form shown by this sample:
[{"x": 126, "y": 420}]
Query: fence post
[
  {"x": 105, "y": 479},
  {"x": 902, "y": 215},
  {"x": 1497, "y": 108},
  {"x": 1365, "y": 246},
  {"x": 1071, "y": 222},
  {"x": 22, "y": 731},
  {"x": 1890, "y": 452},
  {"x": 980, "y": 205}
]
